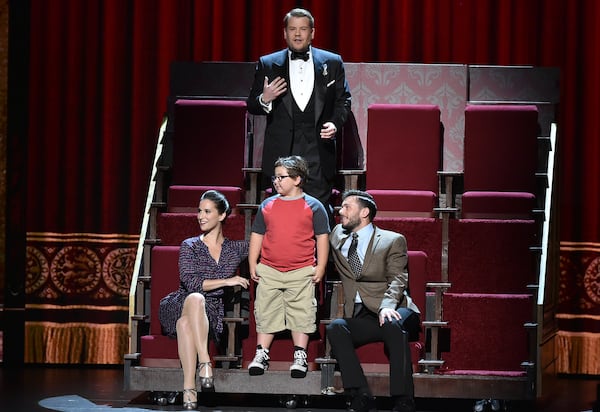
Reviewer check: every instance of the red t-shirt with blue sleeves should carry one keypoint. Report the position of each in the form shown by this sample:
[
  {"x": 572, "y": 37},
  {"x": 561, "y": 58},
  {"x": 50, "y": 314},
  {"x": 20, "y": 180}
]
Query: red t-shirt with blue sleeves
[{"x": 289, "y": 227}]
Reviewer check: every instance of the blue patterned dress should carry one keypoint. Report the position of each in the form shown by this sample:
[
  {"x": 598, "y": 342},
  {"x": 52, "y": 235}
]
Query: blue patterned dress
[{"x": 196, "y": 265}]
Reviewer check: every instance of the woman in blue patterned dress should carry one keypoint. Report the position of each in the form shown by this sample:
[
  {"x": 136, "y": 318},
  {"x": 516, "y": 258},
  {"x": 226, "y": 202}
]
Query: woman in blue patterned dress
[{"x": 207, "y": 264}]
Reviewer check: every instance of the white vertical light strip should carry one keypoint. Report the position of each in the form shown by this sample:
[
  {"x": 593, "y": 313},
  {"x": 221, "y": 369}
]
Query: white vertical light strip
[
  {"x": 144, "y": 229},
  {"x": 547, "y": 210}
]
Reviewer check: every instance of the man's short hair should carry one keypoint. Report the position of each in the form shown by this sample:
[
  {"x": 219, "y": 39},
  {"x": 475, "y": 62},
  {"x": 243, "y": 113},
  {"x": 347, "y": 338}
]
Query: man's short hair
[
  {"x": 298, "y": 12},
  {"x": 295, "y": 166},
  {"x": 364, "y": 199}
]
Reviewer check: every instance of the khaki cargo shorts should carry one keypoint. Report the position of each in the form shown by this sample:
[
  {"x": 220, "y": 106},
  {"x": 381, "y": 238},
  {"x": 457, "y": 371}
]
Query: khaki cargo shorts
[{"x": 285, "y": 300}]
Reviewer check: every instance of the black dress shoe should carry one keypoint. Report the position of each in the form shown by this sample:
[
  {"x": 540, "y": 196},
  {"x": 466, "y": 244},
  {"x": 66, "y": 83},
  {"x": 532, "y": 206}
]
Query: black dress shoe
[
  {"x": 363, "y": 403},
  {"x": 404, "y": 404}
]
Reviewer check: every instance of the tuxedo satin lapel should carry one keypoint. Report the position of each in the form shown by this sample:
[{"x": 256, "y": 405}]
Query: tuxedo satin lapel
[
  {"x": 287, "y": 102},
  {"x": 320, "y": 84},
  {"x": 281, "y": 69},
  {"x": 287, "y": 97}
]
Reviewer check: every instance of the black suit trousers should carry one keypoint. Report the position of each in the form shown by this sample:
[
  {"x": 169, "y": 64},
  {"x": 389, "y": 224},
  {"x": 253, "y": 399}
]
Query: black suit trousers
[{"x": 349, "y": 333}]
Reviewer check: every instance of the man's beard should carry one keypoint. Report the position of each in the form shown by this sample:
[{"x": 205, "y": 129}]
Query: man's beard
[{"x": 350, "y": 224}]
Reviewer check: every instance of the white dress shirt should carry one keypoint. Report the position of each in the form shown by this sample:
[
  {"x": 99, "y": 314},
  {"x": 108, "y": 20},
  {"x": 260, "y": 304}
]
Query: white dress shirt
[{"x": 302, "y": 79}]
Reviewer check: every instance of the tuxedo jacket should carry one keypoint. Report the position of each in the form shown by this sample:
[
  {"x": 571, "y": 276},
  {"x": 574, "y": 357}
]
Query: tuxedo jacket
[
  {"x": 331, "y": 101},
  {"x": 383, "y": 282}
]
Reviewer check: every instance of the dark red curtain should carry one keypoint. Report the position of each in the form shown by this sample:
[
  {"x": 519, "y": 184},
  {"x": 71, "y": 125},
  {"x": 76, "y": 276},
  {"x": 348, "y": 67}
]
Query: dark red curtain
[{"x": 99, "y": 79}]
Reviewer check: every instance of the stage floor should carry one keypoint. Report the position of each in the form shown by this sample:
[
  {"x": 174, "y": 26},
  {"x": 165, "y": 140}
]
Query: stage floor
[{"x": 100, "y": 389}]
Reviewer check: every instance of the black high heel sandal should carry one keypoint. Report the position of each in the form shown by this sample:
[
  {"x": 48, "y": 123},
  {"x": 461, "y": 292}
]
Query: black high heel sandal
[
  {"x": 190, "y": 405},
  {"x": 207, "y": 383}
]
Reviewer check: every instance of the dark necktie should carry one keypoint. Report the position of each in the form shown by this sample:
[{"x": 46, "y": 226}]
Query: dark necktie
[
  {"x": 353, "y": 258},
  {"x": 300, "y": 55}
]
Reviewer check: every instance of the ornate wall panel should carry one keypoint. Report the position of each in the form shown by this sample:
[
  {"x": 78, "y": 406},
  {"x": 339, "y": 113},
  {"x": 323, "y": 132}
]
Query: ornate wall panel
[
  {"x": 578, "y": 314},
  {"x": 77, "y": 289},
  {"x": 443, "y": 85}
]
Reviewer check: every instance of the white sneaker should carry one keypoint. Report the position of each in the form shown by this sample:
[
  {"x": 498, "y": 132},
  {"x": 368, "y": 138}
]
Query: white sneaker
[
  {"x": 300, "y": 366},
  {"x": 260, "y": 363}
]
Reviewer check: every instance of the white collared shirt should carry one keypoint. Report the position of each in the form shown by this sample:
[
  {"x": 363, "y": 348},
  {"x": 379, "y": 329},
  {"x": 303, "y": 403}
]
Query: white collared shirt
[{"x": 302, "y": 79}]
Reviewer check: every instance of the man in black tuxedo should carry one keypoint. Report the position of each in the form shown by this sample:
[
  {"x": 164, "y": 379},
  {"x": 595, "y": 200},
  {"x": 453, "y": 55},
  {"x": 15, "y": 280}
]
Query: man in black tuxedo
[{"x": 304, "y": 94}]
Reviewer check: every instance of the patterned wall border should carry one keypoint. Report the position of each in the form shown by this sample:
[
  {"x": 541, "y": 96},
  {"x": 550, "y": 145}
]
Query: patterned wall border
[
  {"x": 77, "y": 297},
  {"x": 578, "y": 313}
]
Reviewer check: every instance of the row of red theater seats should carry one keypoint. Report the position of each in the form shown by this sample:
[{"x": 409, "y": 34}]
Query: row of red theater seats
[
  {"x": 487, "y": 305},
  {"x": 404, "y": 155},
  {"x": 489, "y": 259},
  {"x": 490, "y": 246},
  {"x": 427, "y": 239},
  {"x": 490, "y": 268},
  {"x": 159, "y": 350},
  {"x": 490, "y": 264},
  {"x": 405, "y": 146},
  {"x": 404, "y": 142}
]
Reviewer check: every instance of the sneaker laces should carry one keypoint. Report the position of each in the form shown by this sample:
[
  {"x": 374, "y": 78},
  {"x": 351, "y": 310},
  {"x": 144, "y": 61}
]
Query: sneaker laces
[
  {"x": 300, "y": 357},
  {"x": 261, "y": 355}
]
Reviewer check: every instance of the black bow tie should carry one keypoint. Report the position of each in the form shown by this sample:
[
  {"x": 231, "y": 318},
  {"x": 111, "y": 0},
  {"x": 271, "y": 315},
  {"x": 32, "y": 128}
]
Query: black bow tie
[{"x": 300, "y": 55}]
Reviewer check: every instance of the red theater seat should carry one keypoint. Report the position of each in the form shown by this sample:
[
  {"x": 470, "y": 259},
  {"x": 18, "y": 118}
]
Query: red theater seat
[
  {"x": 209, "y": 142},
  {"x": 491, "y": 256},
  {"x": 487, "y": 332},
  {"x": 404, "y": 152},
  {"x": 421, "y": 233},
  {"x": 500, "y": 161},
  {"x": 208, "y": 149},
  {"x": 499, "y": 205},
  {"x": 208, "y": 138},
  {"x": 156, "y": 348}
]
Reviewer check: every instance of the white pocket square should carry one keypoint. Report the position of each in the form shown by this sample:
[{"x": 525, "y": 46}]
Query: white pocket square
[{"x": 330, "y": 83}]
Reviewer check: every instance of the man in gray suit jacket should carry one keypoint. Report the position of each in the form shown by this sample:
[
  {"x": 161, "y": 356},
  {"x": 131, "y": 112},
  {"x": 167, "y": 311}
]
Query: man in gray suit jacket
[
  {"x": 304, "y": 94},
  {"x": 377, "y": 308}
]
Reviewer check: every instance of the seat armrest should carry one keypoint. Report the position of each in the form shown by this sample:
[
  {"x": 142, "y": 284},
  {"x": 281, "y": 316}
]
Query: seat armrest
[{"x": 351, "y": 177}]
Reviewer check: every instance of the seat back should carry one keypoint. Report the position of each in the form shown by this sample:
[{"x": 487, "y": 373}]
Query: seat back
[
  {"x": 422, "y": 234},
  {"x": 500, "y": 161},
  {"x": 404, "y": 154},
  {"x": 164, "y": 280},
  {"x": 491, "y": 255},
  {"x": 208, "y": 151},
  {"x": 209, "y": 139},
  {"x": 487, "y": 332},
  {"x": 491, "y": 270}
]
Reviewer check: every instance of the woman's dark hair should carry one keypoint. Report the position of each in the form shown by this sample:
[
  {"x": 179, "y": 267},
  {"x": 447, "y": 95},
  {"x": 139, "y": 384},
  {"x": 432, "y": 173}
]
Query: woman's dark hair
[{"x": 219, "y": 200}]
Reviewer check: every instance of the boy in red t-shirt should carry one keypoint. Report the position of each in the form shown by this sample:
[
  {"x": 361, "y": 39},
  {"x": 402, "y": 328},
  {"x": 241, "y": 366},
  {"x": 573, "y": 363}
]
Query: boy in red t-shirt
[{"x": 287, "y": 231}]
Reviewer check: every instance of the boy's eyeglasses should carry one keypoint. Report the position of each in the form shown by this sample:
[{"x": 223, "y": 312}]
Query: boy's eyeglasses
[{"x": 278, "y": 178}]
